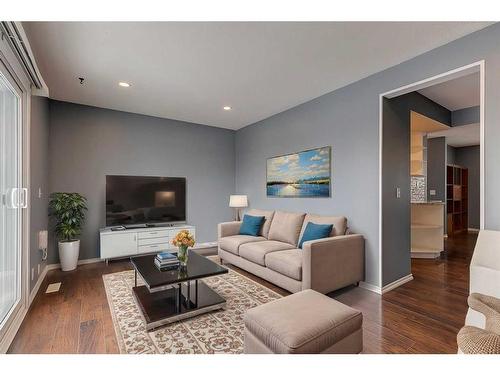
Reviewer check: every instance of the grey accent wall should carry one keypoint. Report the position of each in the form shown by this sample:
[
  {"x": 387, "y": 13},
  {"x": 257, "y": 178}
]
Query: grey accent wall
[
  {"x": 436, "y": 168},
  {"x": 465, "y": 116},
  {"x": 39, "y": 178},
  {"x": 86, "y": 143},
  {"x": 468, "y": 157},
  {"x": 450, "y": 154},
  {"x": 347, "y": 119},
  {"x": 436, "y": 171},
  {"x": 396, "y": 174},
  {"x": 396, "y": 229}
]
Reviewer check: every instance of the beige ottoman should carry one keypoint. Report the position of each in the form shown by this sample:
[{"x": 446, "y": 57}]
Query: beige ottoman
[{"x": 304, "y": 322}]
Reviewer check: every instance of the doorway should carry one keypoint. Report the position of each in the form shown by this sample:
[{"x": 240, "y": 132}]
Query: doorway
[{"x": 401, "y": 156}]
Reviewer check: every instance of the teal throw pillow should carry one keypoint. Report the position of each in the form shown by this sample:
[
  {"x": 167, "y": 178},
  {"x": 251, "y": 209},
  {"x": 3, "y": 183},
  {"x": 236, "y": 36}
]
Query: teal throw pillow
[
  {"x": 251, "y": 225},
  {"x": 315, "y": 232}
]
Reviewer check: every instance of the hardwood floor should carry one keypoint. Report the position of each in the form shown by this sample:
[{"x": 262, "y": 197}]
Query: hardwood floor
[{"x": 421, "y": 316}]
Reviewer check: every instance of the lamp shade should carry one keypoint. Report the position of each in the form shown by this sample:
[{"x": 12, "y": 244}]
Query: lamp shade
[{"x": 238, "y": 201}]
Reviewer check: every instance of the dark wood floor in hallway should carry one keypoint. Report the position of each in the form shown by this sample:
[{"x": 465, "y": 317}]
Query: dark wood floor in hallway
[{"x": 422, "y": 316}]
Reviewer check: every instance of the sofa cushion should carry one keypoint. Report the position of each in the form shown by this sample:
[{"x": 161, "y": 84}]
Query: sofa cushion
[
  {"x": 286, "y": 262},
  {"x": 339, "y": 223},
  {"x": 264, "y": 231},
  {"x": 256, "y": 251},
  {"x": 251, "y": 225},
  {"x": 233, "y": 243},
  {"x": 304, "y": 322},
  {"x": 315, "y": 231},
  {"x": 286, "y": 226}
]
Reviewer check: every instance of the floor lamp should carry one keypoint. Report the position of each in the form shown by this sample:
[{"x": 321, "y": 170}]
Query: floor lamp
[{"x": 237, "y": 202}]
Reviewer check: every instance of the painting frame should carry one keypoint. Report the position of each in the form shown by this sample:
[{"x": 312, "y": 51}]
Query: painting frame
[{"x": 298, "y": 153}]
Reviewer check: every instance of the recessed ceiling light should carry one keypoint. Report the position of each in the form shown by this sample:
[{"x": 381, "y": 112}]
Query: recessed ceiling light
[
  {"x": 226, "y": 108},
  {"x": 124, "y": 84}
]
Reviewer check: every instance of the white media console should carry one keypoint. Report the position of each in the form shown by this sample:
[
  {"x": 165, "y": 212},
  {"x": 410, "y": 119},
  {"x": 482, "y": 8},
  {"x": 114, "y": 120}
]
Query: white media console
[{"x": 129, "y": 242}]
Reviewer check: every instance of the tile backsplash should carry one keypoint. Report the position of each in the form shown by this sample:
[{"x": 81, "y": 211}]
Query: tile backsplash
[{"x": 418, "y": 189}]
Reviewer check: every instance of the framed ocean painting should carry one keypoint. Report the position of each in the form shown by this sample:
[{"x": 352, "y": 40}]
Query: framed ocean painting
[{"x": 305, "y": 174}]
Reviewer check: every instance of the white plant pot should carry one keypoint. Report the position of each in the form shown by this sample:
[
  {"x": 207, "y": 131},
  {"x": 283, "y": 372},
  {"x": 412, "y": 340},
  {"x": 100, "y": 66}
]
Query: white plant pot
[{"x": 68, "y": 254}]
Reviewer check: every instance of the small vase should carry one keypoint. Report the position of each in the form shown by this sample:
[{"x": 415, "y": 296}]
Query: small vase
[{"x": 182, "y": 255}]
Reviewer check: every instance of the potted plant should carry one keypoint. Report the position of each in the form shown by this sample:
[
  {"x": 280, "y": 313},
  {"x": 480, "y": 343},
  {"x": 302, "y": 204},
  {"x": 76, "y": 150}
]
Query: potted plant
[
  {"x": 183, "y": 240},
  {"x": 68, "y": 211}
]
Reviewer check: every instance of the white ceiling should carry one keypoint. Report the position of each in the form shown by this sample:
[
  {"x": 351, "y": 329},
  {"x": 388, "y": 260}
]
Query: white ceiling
[
  {"x": 456, "y": 94},
  {"x": 460, "y": 136},
  {"x": 189, "y": 71}
]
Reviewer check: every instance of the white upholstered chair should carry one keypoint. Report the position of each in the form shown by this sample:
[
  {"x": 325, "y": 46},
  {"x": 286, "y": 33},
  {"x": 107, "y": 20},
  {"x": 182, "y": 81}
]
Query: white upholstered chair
[{"x": 484, "y": 272}]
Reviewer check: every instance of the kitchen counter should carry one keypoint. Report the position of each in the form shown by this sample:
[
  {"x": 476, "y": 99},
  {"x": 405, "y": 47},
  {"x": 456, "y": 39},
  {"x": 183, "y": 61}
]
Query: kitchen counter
[{"x": 427, "y": 229}]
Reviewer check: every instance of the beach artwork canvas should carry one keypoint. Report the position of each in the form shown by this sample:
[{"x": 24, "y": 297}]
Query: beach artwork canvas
[{"x": 302, "y": 174}]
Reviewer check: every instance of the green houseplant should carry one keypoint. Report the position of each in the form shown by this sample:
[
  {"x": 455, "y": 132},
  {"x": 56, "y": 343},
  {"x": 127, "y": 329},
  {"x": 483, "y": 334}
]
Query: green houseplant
[{"x": 68, "y": 212}]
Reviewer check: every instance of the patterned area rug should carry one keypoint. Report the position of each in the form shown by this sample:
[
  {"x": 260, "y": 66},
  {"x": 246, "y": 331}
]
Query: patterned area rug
[{"x": 216, "y": 332}]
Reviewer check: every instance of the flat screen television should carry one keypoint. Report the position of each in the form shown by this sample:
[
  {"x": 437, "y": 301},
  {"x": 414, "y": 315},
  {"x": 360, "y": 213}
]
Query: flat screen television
[{"x": 145, "y": 200}]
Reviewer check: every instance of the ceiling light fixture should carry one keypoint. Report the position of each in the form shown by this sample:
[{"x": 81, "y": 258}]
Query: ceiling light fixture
[
  {"x": 226, "y": 108},
  {"x": 124, "y": 84}
]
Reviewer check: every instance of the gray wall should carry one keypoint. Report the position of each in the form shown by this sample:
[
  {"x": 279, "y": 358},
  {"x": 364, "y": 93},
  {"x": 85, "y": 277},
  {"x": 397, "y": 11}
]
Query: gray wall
[
  {"x": 396, "y": 173},
  {"x": 436, "y": 171},
  {"x": 396, "y": 232},
  {"x": 465, "y": 116},
  {"x": 39, "y": 178},
  {"x": 347, "y": 119},
  {"x": 436, "y": 168},
  {"x": 326, "y": 121},
  {"x": 468, "y": 157},
  {"x": 86, "y": 143},
  {"x": 450, "y": 154}
]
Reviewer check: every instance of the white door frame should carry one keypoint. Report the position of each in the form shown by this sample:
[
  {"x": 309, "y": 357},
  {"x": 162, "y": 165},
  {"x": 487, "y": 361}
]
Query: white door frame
[
  {"x": 443, "y": 77},
  {"x": 24, "y": 112}
]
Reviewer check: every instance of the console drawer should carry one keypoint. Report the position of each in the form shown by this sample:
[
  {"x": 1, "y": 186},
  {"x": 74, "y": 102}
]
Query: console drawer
[
  {"x": 154, "y": 234},
  {"x": 153, "y": 241},
  {"x": 141, "y": 249}
]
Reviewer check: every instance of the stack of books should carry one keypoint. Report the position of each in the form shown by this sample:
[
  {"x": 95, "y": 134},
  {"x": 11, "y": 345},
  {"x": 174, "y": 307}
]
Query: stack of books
[{"x": 166, "y": 261}]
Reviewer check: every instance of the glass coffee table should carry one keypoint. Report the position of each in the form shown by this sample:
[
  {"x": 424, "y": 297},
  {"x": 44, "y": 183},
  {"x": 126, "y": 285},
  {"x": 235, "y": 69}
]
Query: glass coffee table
[{"x": 173, "y": 295}]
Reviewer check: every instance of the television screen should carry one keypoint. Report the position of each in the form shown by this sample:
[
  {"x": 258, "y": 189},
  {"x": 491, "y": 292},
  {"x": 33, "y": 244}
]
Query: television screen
[{"x": 132, "y": 200}]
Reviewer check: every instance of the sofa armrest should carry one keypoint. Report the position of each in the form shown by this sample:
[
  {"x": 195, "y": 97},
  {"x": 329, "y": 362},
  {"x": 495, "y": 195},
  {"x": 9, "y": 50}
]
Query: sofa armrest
[
  {"x": 332, "y": 263},
  {"x": 230, "y": 228}
]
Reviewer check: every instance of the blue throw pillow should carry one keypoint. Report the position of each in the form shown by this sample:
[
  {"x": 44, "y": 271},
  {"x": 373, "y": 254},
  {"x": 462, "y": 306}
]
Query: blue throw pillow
[
  {"x": 315, "y": 232},
  {"x": 251, "y": 225}
]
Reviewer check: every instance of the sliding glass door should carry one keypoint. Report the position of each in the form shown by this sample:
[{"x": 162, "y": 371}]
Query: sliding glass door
[{"x": 12, "y": 200}]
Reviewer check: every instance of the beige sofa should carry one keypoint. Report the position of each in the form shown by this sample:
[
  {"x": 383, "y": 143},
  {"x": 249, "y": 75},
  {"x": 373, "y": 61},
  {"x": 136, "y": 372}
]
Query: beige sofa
[{"x": 323, "y": 265}]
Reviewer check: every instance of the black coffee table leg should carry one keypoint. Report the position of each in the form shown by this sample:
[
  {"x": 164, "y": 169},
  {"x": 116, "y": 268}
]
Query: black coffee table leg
[
  {"x": 179, "y": 297},
  {"x": 196, "y": 293}
]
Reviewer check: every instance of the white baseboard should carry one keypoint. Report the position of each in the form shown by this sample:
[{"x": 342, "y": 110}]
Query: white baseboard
[
  {"x": 205, "y": 245},
  {"x": 370, "y": 287},
  {"x": 397, "y": 283},
  {"x": 12, "y": 330},
  {"x": 56, "y": 266},
  {"x": 388, "y": 287},
  {"x": 9, "y": 336},
  {"x": 473, "y": 230},
  {"x": 38, "y": 284}
]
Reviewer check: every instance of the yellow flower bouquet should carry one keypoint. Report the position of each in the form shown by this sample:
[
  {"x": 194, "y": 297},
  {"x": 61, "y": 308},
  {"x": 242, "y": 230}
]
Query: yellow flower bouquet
[{"x": 183, "y": 240}]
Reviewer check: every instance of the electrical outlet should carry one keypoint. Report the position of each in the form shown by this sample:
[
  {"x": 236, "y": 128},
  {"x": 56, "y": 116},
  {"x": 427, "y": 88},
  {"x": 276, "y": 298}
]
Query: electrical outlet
[
  {"x": 39, "y": 192},
  {"x": 38, "y": 271},
  {"x": 398, "y": 192},
  {"x": 32, "y": 273},
  {"x": 432, "y": 192}
]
